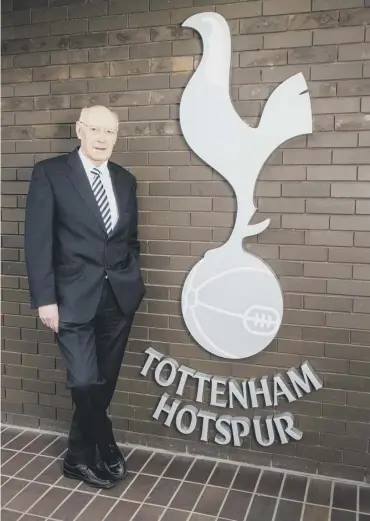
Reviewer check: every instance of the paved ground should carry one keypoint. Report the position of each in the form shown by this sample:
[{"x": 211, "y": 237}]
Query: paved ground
[{"x": 165, "y": 487}]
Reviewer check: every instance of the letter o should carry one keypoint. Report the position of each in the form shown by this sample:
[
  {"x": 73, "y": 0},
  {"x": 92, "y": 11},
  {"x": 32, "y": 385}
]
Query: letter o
[
  {"x": 161, "y": 379},
  {"x": 193, "y": 419}
]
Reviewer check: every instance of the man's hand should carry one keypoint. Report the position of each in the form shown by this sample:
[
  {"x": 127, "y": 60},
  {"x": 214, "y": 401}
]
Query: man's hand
[{"x": 50, "y": 316}]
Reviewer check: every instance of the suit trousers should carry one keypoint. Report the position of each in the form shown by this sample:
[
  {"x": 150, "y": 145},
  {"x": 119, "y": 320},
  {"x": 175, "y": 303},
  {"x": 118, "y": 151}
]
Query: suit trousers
[{"x": 93, "y": 353}]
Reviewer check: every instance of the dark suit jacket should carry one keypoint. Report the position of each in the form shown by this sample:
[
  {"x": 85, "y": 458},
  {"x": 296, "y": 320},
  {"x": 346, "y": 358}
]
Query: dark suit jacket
[{"x": 67, "y": 250}]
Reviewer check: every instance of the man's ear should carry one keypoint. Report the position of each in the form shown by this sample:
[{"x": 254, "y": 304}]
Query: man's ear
[{"x": 78, "y": 129}]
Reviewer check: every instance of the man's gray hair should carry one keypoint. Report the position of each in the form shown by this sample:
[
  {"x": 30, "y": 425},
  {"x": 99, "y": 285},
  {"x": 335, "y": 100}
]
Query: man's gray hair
[{"x": 85, "y": 110}]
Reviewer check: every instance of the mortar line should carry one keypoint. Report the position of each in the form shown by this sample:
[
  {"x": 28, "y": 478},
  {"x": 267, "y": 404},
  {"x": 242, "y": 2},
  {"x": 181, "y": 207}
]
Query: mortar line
[
  {"x": 20, "y": 451},
  {"x": 253, "y": 495},
  {"x": 358, "y": 503},
  {"x": 181, "y": 481},
  {"x": 156, "y": 482},
  {"x": 279, "y": 497},
  {"x": 202, "y": 491},
  {"x": 35, "y": 456},
  {"x": 10, "y": 441},
  {"x": 238, "y": 467},
  {"x": 331, "y": 499},
  {"x": 34, "y": 479},
  {"x": 118, "y": 499},
  {"x": 305, "y": 498},
  {"x": 97, "y": 494}
]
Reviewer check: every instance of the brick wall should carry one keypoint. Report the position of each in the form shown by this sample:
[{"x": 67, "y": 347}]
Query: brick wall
[{"x": 59, "y": 55}]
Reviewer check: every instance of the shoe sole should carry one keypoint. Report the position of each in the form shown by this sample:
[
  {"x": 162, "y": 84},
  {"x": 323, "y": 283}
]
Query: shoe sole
[{"x": 70, "y": 475}]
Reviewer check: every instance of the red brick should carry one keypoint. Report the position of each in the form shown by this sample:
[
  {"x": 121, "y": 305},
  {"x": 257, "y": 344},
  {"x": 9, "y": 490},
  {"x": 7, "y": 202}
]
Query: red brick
[
  {"x": 16, "y": 18},
  {"x": 338, "y": 35},
  {"x": 273, "y": 7},
  {"x": 52, "y": 102},
  {"x": 150, "y": 50},
  {"x": 354, "y": 87},
  {"x": 7, "y": 62},
  {"x": 17, "y": 160},
  {"x": 279, "y": 74},
  {"x": 21, "y": 31},
  {"x": 118, "y": 7},
  {"x": 128, "y": 67},
  {"x": 355, "y": 51},
  {"x": 324, "y": 53},
  {"x": 148, "y": 113},
  {"x": 324, "y": 206},
  {"x": 336, "y": 71},
  {"x": 69, "y": 27},
  {"x": 78, "y": 41},
  {"x": 108, "y": 54},
  {"x": 363, "y": 207},
  {"x": 107, "y": 85},
  {"x": 48, "y": 15},
  {"x": 332, "y": 140},
  {"x": 90, "y": 10},
  {"x": 264, "y": 24},
  {"x": 32, "y": 89},
  {"x": 151, "y": 19},
  {"x": 250, "y": 75},
  {"x": 54, "y": 72},
  {"x": 96, "y": 70},
  {"x": 49, "y": 43},
  {"x": 335, "y": 105},
  {"x": 52, "y": 131},
  {"x": 328, "y": 238},
  {"x": 154, "y": 81},
  {"x": 242, "y": 10},
  {"x": 364, "y": 139},
  {"x": 314, "y": 20},
  {"x": 32, "y": 118},
  {"x": 353, "y": 222},
  {"x": 355, "y": 17},
  {"x": 307, "y": 222},
  {"x": 287, "y": 39},
  {"x": 108, "y": 23},
  {"x": 130, "y": 99},
  {"x": 362, "y": 239},
  {"x": 7, "y": 91},
  {"x": 129, "y": 36},
  {"x": 309, "y": 156},
  {"x": 305, "y": 285},
  {"x": 262, "y": 58},
  {"x": 7, "y": 118},
  {"x": 350, "y": 156},
  {"x": 303, "y": 189},
  {"x": 17, "y": 75}
]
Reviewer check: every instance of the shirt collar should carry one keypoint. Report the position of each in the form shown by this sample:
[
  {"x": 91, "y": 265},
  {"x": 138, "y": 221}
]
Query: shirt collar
[{"x": 88, "y": 165}]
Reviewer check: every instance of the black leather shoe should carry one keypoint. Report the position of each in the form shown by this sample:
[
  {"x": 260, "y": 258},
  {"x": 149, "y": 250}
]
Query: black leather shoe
[
  {"x": 113, "y": 463},
  {"x": 90, "y": 475}
]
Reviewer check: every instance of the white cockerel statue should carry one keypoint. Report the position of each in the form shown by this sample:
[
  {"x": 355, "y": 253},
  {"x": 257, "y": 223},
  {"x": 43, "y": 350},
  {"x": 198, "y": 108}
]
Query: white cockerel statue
[{"x": 231, "y": 301}]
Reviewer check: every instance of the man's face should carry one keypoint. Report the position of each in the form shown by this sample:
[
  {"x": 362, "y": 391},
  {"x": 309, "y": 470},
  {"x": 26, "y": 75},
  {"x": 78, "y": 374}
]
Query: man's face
[{"x": 97, "y": 131}]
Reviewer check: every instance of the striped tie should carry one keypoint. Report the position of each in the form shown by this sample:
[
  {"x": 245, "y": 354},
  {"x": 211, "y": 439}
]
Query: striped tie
[{"x": 102, "y": 199}]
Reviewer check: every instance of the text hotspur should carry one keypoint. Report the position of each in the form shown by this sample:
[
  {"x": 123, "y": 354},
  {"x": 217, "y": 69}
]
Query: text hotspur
[{"x": 228, "y": 393}]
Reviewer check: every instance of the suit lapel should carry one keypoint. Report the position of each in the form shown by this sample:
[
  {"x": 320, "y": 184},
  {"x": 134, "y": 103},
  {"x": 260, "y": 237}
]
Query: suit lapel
[
  {"x": 117, "y": 187},
  {"x": 78, "y": 178}
]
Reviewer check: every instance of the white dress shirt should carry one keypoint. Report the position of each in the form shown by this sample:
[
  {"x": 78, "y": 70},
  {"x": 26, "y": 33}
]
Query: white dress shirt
[{"x": 107, "y": 183}]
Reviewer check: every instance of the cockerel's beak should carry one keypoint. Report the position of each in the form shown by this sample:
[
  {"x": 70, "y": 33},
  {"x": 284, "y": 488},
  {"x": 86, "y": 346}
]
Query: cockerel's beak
[{"x": 190, "y": 22}]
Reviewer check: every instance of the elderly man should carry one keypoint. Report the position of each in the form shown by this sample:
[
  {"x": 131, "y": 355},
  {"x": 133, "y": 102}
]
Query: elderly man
[{"x": 82, "y": 258}]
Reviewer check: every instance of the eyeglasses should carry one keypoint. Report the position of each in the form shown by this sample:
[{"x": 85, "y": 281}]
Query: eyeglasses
[{"x": 97, "y": 130}]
